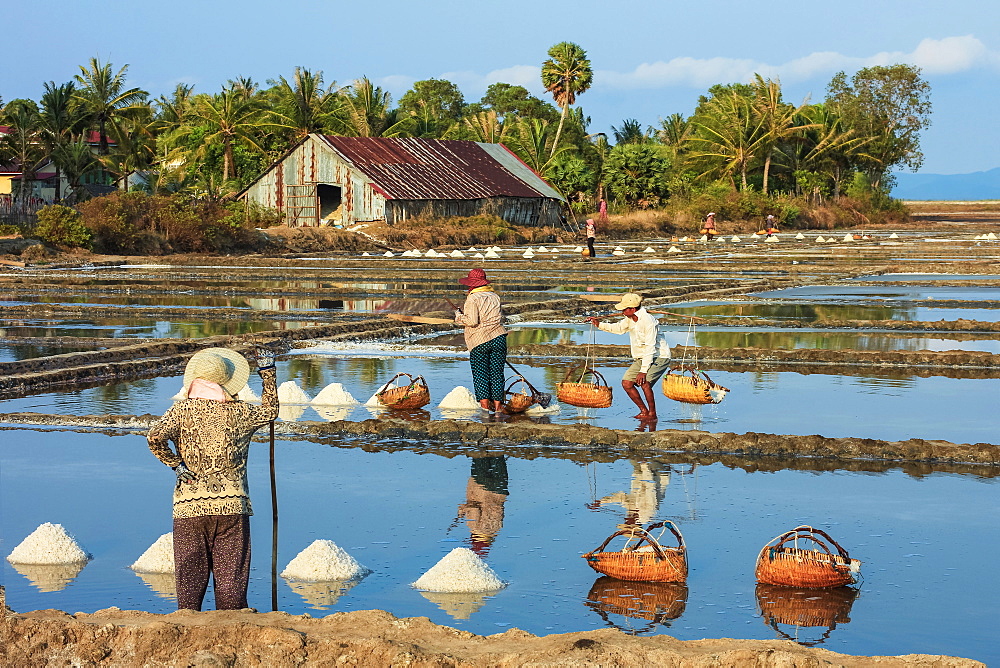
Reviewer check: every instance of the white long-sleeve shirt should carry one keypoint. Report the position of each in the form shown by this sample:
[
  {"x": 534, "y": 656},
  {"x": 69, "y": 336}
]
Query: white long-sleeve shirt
[{"x": 644, "y": 337}]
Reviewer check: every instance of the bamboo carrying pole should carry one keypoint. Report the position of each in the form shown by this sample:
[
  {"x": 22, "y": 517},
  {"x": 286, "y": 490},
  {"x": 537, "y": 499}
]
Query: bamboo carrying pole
[{"x": 679, "y": 315}]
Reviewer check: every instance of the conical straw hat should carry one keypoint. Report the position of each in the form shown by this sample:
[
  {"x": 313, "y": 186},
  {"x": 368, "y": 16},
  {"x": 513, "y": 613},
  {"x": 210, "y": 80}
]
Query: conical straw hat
[{"x": 219, "y": 365}]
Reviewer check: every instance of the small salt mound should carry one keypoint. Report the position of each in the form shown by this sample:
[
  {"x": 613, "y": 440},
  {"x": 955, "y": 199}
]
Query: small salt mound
[
  {"x": 578, "y": 249},
  {"x": 479, "y": 256},
  {"x": 366, "y": 254},
  {"x": 491, "y": 253},
  {"x": 528, "y": 254},
  {"x": 831, "y": 240},
  {"x": 619, "y": 248},
  {"x": 736, "y": 239},
  {"x": 289, "y": 392},
  {"x": 461, "y": 570},
  {"x": 324, "y": 561},
  {"x": 536, "y": 409},
  {"x": 460, "y": 398},
  {"x": 543, "y": 249},
  {"x": 674, "y": 249},
  {"x": 473, "y": 249},
  {"x": 991, "y": 236},
  {"x": 374, "y": 402},
  {"x": 848, "y": 237},
  {"x": 649, "y": 249},
  {"x": 704, "y": 238},
  {"x": 48, "y": 544},
  {"x": 893, "y": 236},
  {"x": 820, "y": 239},
  {"x": 771, "y": 240},
  {"x": 334, "y": 394},
  {"x": 388, "y": 254},
  {"x": 159, "y": 558},
  {"x": 684, "y": 239},
  {"x": 456, "y": 253},
  {"x": 248, "y": 395},
  {"x": 618, "y": 252},
  {"x": 800, "y": 236}
]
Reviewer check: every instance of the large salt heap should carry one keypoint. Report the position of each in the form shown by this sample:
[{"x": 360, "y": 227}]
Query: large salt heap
[
  {"x": 158, "y": 558},
  {"x": 334, "y": 394},
  {"x": 460, "y": 399},
  {"x": 48, "y": 544},
  {"x": 324, "y": 561},
  {"x": 461, "y": 570},
  {"x": 289, "y": 392}
]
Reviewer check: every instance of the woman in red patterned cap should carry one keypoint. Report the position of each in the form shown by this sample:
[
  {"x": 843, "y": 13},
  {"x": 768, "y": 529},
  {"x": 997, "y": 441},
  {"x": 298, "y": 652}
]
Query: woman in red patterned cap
[{"x": 485, "y": 337}]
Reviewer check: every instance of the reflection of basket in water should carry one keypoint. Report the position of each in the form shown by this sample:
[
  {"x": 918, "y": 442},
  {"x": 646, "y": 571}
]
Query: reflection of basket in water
[
  {"x": 697, "y": 388},
  {"x": 405, "y": 397},
  {"x": 584, "y": 395},
  {"x": 648, "y": 563},
  {"x": 792, "y": 566},
  {"x": 796, "y": 606},
  {"x": 520, "y": 401},
  {"x": 657, "y": 602}
]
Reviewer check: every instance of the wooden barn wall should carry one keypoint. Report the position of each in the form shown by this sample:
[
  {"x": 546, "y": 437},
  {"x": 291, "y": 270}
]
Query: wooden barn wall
[
  {"x": 290, "y": 187},
  {"x": 517, "y": 210}
]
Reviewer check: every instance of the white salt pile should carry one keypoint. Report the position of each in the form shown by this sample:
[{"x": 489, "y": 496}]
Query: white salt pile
[
  {"x": 388, "y": 254},
  {"x": 536, "y": 409},
  {"x": 159, "y": 558},
  {"x": 684, "y": 239},
  {"x": 991, "y": 236},
  {"x": 473, "y": 249},
  {"x": 893, "y": 236},
  {"x": 704, "y": 238},
  {"x": 800, "y": 236},
  {"x": 649, "y": 249},
  {"x": 491, "y": 253},
  {"x": 543, "y": 249},
  {"x": 289, "y": 392},
  {"x": 736, "y": 239},
  {"x": 528, "y": 254},
  {"x": 618, "y": 252},
  {"x": 848, "y": 237},
  {"x": 460, "y": 398},
  {"x": 366, "y": 254},
  {"x": 248, "y": 395},
  {"x": 771, "y": 240},
  {"x": 48, "y": 544},
  {"x": 578, "y": 249},
  {"x": 324, "y": 561},
  {"x": 334, "y": 394},
  {"x": 820, "y": 239},
  {"x": 479, "y": 256},
  {"x": 674, "y": 249},
  {"x": 456, "y": 253},
  {"x": 461, "y": 570}
]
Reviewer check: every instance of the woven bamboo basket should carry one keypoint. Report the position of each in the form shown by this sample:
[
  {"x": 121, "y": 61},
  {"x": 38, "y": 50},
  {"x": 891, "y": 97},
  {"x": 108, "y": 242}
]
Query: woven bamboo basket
[
  {"x": 517, "y": 401},
  {"x": 642, "y": 558},
  {"x": 413, "y": 395},
  {"x": 658, "y": 603},
  {"x": 581, "y": 394},
  {"x": 696, "y": 388},
  {"x": 792, "y": 566}
]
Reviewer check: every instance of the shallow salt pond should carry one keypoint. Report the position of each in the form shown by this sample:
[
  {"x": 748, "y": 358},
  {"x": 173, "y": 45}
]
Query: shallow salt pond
[
  {"x": 889, "y": 405},
  {"x": 815, "y": 311},
  {"x": 142, "y": 328},
  {"x": 847, "y": 292},
  {"x": 927, "y": 543}
]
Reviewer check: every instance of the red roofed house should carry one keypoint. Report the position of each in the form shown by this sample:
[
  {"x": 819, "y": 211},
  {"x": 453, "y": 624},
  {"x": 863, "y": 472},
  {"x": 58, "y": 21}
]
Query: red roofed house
[{"x": 327, "y": 180}]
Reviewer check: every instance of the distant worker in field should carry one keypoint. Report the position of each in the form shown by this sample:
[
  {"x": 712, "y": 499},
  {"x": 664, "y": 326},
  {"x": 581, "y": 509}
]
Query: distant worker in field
[
  {"x": 211, "y": 431},
  {"x": 650, "y": 352},
  {"x": 771, "y": 225},
  {"x": 591, "y": 235},
  {"x": 708, "y": 227},
  {"x": 602, "y": 210},
  {"x": 486, "y": 339}
]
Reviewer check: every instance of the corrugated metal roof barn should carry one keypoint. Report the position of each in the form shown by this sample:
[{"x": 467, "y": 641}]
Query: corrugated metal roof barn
[{"x": 326, "y": 180}]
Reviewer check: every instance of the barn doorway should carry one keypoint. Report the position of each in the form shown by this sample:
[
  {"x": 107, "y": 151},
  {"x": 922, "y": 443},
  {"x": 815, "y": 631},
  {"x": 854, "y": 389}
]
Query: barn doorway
[{"x": 331, "y": 204}]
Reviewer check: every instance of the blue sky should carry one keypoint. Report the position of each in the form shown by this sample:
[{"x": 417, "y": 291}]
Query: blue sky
[{"x": 651, "y": 58}]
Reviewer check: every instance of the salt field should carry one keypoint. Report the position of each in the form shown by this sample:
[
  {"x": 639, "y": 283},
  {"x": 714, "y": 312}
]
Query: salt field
[{"x": 922, "y": 589}]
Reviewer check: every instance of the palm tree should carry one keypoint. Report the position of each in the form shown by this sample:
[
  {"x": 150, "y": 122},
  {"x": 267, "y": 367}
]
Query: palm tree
[
  {"x": 106, "y": 99},
  {"x": 22, "y": 144},
  {"x": 778, "y": 119},
  {"x": 486, "y": 127},
  {"x": 230, "y": 118},
  {"x": 566, "y": 74},
  {"x": 535, "y": 146},
  {"x": 630, "y": 133},
  {"x": 730, "y": 135},
  {"x": 74, "y": 159},
  {"x": 826, "y": 146},
  {"x": 306, "y": 106},
  {"x": 365, "y": 112}
]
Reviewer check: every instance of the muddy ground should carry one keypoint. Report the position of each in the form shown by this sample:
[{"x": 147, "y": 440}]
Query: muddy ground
[{"x": 375, "y": 638}]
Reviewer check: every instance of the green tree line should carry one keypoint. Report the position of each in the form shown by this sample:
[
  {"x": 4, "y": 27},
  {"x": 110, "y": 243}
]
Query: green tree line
[{"x": 741, "y": 138}]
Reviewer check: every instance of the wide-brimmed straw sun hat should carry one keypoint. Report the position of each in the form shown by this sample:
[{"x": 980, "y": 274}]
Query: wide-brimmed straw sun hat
[
  {"x": 475, "y": 279},
  {"x": 219, "y": 365},
  {"x": 629, "y": 300}
]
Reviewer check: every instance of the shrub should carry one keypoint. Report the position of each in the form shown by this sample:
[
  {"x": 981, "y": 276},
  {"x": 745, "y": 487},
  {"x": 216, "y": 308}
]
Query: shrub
[
  {"x": 62, "y": 226},
  {"x": 9, "y": 230}
]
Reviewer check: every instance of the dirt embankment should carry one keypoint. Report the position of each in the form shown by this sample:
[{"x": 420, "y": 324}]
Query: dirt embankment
[{"x": 116, "y": 637}]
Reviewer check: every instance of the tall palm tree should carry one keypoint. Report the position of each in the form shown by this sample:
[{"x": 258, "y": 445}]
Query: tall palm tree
[
  {"x": 729, "y": 135},
  {"x": 535, "y": 145},
  {"x": 106, "y": 99},
  {"x": 230, "y": 119},
  {"x": 777, "y": 117},
  {"x": 827, "y": 147},
  {"x": 22, "y": 144},
  {"x": 305, "y": 105},
  {"x": 365, "y": 112},
  {"x": 566, "y": 74}
]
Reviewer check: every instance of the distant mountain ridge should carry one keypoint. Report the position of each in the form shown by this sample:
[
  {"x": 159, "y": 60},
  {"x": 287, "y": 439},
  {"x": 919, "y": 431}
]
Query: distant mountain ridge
[{"x": 973, "y": 186}]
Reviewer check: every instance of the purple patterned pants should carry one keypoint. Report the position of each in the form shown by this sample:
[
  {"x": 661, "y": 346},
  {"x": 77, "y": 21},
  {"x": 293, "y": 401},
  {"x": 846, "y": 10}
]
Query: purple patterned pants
[{"x": 216, "y": 544}]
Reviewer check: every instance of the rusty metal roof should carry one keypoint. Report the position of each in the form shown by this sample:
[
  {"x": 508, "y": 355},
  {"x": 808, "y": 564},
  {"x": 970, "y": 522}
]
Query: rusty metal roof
[{"x": 414, "y": 168}]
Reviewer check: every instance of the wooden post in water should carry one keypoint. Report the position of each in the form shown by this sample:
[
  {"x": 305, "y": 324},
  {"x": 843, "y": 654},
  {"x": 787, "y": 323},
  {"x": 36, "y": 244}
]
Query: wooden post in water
[{"x": 274, "y": 530}]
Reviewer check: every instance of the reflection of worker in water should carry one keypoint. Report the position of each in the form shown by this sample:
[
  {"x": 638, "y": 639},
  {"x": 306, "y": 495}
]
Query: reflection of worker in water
[
  {"x": 485, "y": 495},
  {"x": 642, "y": 501}
]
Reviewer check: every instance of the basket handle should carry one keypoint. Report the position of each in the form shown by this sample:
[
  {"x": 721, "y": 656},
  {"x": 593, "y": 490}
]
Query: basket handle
[
  {"x": 695, "y": 373},
  {"x": 673, "y": 529},
  {"x": 413, "y": 381},
  {"x": 514, "y": 381},
  {"x": 586, "y": 370},
  {"x": 808, "y": 532},
  {"x": 643, "y": 536}
]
